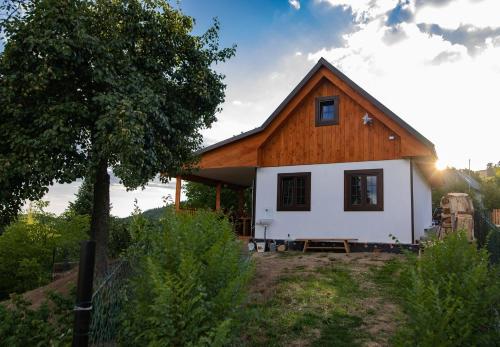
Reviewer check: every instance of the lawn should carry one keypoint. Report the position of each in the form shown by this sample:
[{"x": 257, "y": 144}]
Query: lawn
[{"x": 320, "y": 299}]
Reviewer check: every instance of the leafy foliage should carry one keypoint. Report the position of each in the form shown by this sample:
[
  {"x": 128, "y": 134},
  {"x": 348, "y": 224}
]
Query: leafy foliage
[
  {"x": 203, "y": 196},
  {"x": 87, "y": 85},
  {"x": 452, "y": 182},
  {"x": 190, "y": 280},
  {"x": 84, "y": 201},
  {"x": 28, "y": 247},
  {"x": 451, "y": 296},
  {"x": 119, "y": 237},
  {"x": 490, "y": 188},
  {"x": 48, "y": 325}
]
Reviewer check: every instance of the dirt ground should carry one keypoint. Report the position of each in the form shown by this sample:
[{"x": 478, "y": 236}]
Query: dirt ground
[
  {"x": 380, "y": 315},
  {"x": 62, "y": 285}
]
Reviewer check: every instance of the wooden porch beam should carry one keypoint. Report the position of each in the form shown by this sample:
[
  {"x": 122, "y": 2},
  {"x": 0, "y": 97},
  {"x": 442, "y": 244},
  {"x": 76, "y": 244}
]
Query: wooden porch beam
[
  {"x": 217, "y": 196},
  {"x": 178, "y": 188}
]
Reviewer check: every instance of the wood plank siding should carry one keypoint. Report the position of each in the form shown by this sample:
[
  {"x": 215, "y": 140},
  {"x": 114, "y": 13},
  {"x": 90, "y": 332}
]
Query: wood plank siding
[
  {"x": 292, "y": 138},
  {"x": 299, "y": 141}
]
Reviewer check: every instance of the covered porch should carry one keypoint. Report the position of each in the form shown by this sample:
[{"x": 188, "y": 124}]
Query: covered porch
[{"x": 240, "y": 180}]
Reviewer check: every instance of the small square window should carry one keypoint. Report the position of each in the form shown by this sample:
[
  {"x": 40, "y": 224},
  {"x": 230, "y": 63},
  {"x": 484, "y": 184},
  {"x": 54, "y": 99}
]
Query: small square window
[{"x": 327, "y": 110}]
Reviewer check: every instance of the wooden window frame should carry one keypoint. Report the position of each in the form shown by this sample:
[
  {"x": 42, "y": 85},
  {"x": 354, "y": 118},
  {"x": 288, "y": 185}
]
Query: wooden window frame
[
  {"x": 363, "y": 206},
  {"x": 294, "y": 207},
  {"x": 336, "y": 118}
]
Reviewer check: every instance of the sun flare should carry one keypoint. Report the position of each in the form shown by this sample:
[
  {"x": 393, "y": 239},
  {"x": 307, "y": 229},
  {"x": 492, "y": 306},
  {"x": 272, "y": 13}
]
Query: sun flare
[{"x": 440, "y": 165}]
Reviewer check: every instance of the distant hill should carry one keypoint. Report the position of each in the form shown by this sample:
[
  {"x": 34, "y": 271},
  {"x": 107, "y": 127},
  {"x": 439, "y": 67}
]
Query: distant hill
[{"x": 153, "y": 214}]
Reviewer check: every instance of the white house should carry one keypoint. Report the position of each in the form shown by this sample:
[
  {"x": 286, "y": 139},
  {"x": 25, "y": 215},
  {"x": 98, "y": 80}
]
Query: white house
[{"x": 330, "y": 162}]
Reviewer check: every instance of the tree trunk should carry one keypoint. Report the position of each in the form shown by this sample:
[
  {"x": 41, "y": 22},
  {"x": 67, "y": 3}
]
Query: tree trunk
[{"x": 100, "y": 217}]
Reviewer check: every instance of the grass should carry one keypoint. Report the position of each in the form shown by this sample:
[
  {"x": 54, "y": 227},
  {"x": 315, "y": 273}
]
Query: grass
[
  {"x": 307, "y": 307},
  {"x": 324, "y": 307}
]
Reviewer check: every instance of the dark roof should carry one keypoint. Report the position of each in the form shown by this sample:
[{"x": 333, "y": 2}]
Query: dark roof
[{"x": 324, "y": 63}]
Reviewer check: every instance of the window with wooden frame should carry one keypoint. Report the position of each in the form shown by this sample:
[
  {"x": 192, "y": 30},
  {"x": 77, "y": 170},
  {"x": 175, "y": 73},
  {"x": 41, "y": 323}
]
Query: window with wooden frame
[
  {"x": 327, "y": 110},
  {"x": 294, "y": 191},
  {"x": 364, "y": 190}
]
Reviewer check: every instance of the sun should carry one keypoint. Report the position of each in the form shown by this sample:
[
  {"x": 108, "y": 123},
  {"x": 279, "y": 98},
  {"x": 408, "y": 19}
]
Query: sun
[{"x": 440, "y": 165}]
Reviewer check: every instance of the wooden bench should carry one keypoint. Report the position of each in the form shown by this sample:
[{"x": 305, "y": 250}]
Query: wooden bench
[{"x": 345, "y": 243}]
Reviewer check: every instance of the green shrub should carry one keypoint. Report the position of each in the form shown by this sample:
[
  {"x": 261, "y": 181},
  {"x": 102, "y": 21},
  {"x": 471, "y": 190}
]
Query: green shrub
[
  {"x": 119, "y": 237},
  {"x": 48, "y": 325},
  {"x": 189, "y": 282},
  {"x": 28, "y": 246},
  {"x": 452, "y": 297}
]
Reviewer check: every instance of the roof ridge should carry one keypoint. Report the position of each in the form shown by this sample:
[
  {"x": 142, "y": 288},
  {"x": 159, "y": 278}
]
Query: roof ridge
[{"x": 322, "y": 62}]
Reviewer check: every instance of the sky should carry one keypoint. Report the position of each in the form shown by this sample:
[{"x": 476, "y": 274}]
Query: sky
[{"x": 435, "y": 63}]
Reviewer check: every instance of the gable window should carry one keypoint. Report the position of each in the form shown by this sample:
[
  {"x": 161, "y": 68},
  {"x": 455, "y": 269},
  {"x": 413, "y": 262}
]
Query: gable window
[
  {"x": 327, "y": 110},
  {"x": 294, "y": 191},
  {"x": 363, "y": 190}
]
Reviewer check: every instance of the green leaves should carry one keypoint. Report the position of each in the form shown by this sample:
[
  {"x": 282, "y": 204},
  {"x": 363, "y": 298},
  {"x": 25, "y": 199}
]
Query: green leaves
[
  {"x": 48, "y": 325},
  {"x": 202, "y": 196},
  {"x": 85, "y": 81},
  {"x": 191, "y": 279},
  {"x": 451, "y": 297},
  {"x": 27, "y": 248}
]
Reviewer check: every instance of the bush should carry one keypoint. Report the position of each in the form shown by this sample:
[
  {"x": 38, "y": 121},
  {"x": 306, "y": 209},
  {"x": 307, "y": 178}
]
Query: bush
[
  {"x": 30, "y": 245},
  {"x": 119, "y": 237},
  {"x": 190, "y": 281},
  {"x": 452, "y": 297},
  {"x": 48, "y": 325}
]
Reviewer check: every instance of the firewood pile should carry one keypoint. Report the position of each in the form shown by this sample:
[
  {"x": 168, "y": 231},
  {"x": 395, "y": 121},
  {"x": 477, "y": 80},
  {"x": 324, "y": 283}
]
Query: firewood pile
[{"x": 457, "y": 214}]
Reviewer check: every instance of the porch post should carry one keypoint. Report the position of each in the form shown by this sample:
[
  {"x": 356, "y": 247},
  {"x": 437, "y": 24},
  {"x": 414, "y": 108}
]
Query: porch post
[
  {"x": 217, "y": 196},
  {"x": 178, "y": 187},
  {"x": 240, "y": 201}
]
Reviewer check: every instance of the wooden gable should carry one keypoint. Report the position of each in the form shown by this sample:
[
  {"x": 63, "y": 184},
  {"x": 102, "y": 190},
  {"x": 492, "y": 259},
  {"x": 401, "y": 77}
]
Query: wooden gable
[{"x": 290, "y": 136}]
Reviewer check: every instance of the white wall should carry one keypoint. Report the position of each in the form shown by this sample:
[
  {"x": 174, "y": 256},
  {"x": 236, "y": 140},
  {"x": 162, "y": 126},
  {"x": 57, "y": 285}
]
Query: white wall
[
  {"x": 327, "y": 217},
  {"x": 422, "y": 197}
]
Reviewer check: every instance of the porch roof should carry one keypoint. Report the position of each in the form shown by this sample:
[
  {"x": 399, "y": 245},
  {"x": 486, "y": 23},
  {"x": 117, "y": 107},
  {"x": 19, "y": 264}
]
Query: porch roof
[{"x": 235, "y": 177}]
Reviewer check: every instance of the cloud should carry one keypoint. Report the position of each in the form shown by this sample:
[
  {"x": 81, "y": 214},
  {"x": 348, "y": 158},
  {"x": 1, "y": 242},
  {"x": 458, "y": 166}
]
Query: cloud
[
  {"x": 446, "y": 57},
  {"x": 259, "y": 90},
  {"x": 427, "y": 74},
  {"x": 295, "y": 4},
  {"x": 394, "y": 34},
  {"x": 403, "y": 12},
  {"x": 362, "y": 10},
  {"x": 474, "y": 38},
  {"x": 453, "y": 14}
]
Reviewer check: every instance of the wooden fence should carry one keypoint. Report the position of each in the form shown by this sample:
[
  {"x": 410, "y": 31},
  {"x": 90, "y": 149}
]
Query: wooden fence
[
  {"x": 189, "y": 211},
  {"x": 495, "y": 216}
]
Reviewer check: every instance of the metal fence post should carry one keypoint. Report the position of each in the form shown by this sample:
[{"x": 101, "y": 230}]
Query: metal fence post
[{"x": 83, "y": 305}]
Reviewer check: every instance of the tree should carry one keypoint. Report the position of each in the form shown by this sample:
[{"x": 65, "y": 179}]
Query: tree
[
  {"x": 83, "y": 203},
  {"x": 453, "y": 182},
  {"x": 490, "y": 189},
  {"x": 203, "y": 196},
  {"x": 31, "y": 244},
  {"x": 91, "y": 85}
]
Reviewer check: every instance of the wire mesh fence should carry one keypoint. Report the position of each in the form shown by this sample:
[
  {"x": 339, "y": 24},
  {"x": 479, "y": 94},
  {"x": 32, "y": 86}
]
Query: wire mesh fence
[
  {"x": 107, "y": 304},
  {"x": 487, "y": 234}
]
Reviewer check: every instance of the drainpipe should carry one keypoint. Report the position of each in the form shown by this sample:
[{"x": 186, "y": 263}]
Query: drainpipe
[
  {"x": 254, "y": 192},
  {"x": 412, "y": 203}
]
